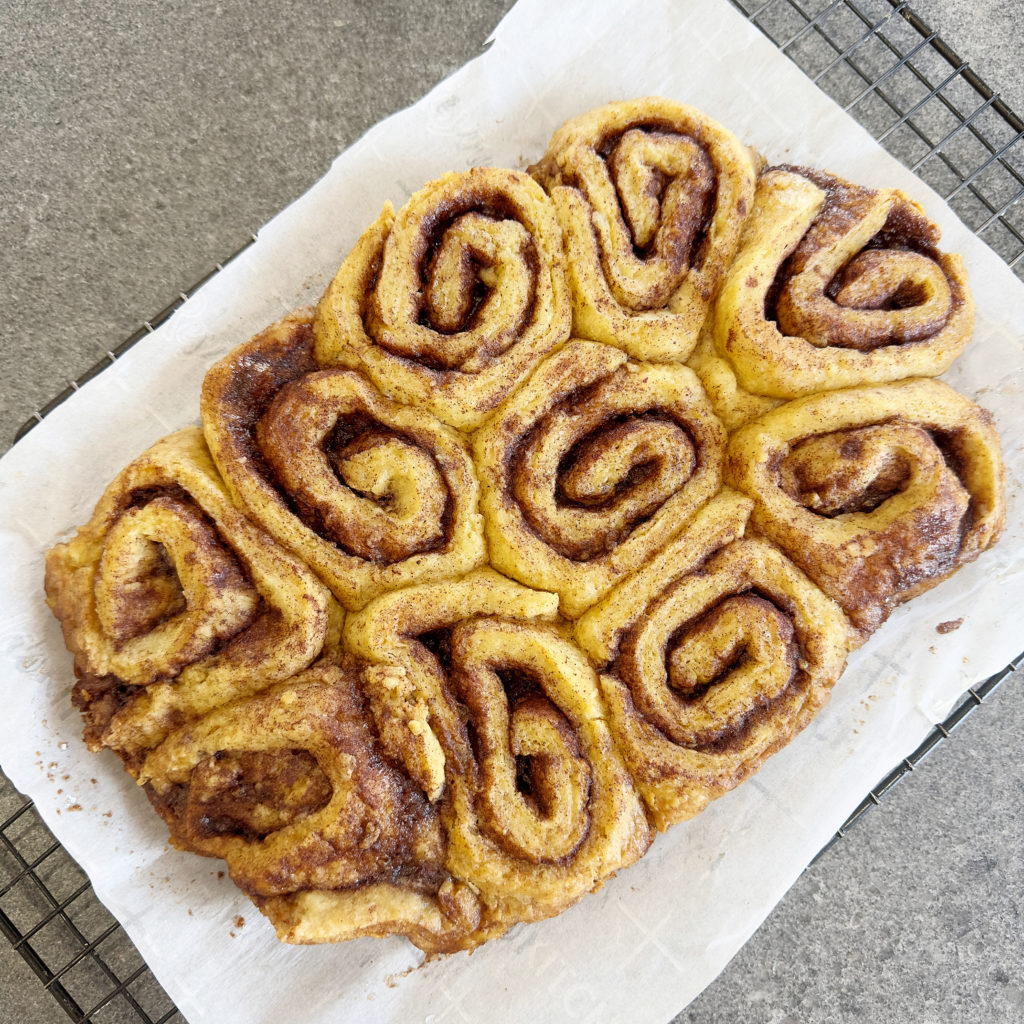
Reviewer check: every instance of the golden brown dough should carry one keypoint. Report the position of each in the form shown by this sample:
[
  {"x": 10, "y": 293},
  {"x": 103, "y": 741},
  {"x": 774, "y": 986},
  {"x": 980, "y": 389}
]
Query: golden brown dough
[
  {"x": 174, "y": 603},
  {"x": 371, "y": 494},
  {"x": 876, "y": 493},
  {"x": 448, "y": 304},
  {"x": 538, "y": 806},
  {"x": 716, "y": 653},
  {"x": 733, "y": 404},
  {"x": 651, "y": 195},
  {"x": 837, "y": 285},
  {"x": 592, "y": 466},
  {"x": 331, "y": 842}
]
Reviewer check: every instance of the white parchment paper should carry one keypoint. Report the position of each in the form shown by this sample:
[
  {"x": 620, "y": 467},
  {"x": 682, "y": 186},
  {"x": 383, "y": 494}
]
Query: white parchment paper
[{"x": 656, "y": 935}]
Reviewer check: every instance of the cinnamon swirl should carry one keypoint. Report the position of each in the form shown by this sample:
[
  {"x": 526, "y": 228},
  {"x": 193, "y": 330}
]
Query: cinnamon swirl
[
  {"x": 371, "y": 494},
  {"x": 538, "y": 806},
  {"x": 877, "y": 493},
  {"x": 289, "y": 788},
  {"x": 837, "y": 285},
  {"x": 716, "y": 653},
  {"x": 592, "y": 466},
  {"x": 449, "y": 303},
  {"x": 651, "y": 195},
  {"x": 174, "y": 603}
]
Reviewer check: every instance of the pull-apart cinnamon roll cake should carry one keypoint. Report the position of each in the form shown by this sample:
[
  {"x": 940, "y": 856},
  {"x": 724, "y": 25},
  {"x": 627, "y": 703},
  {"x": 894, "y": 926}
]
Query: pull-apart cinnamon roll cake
[{"x": 555, "y": 518}]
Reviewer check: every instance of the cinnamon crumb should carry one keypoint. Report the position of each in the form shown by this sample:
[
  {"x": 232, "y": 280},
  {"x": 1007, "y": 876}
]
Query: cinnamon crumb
[{"x": 950, "y": 626}]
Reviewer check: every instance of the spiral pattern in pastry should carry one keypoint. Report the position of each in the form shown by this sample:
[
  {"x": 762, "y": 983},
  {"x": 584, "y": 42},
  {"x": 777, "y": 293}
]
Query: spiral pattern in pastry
[
  {"x": 538, "y": 805},
  {"x": 372, "y": 494},
  {"x": 457, "y": 752},
  {"x": 449, "y": 303},
  {"x": 877, "y": 493},
  {"x": 174, "y": 603},
  {"x": 837, "y": 285},
  {"x": 592, "y": 466},
  {"x": 717, "y": 653},
  {"x": 289, "y": 788},
  {"x": 651, "y": 195}
]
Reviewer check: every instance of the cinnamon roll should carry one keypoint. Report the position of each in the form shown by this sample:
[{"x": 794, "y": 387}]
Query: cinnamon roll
[
  {"x": 592, "y": 466},
  {"x": 537, "y": 804},
  {"x": 877, "y": 493},
  {"x": 449, "y": 303},
  {"x": 715, "y": 653},
  {"x": 652, "y": 195},
  {"x": 403, "y": 680},
  {"x": 330, "y": 841},
  {"x": 371, "y": 494},
  {"x": 552, "y": 628},
  {"x": 174, "y": 603},
  {"x": 837, "y": 285}
]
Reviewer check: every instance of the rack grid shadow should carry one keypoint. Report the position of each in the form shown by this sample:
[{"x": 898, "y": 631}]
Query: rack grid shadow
[{"x": 924, "y": 104}]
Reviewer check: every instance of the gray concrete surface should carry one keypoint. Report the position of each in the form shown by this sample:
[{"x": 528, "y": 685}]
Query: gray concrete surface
[
  {"x": 22, "y": 996},
  {"x": 987, "y": 34},
  {"x": 142, "y": 143}
]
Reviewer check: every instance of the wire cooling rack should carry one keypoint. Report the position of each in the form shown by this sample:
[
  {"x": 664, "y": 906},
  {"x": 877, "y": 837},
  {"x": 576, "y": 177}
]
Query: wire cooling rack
[{"x": 884, "y": 65}]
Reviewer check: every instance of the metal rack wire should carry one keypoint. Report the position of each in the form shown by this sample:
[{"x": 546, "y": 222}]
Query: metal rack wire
[{"x": 884, "y": 65}]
